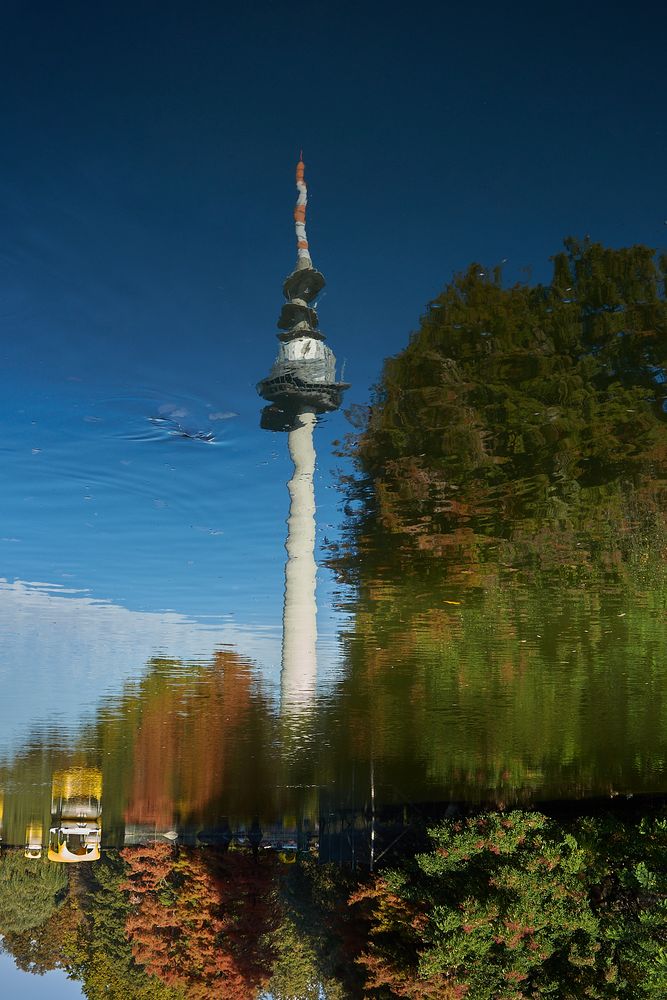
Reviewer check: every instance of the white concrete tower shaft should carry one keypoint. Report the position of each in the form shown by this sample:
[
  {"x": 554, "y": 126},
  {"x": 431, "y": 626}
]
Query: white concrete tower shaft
[{"x": 299, "y": 661}]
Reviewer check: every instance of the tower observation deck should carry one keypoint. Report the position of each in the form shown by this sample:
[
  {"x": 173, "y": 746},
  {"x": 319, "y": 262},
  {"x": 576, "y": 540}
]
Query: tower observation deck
[{"x": 303, "y": 376}]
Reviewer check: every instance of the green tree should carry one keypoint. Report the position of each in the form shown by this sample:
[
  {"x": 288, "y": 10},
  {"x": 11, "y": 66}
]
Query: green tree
[
  {"x": 516, "y": 408},
  {"x": 506, "y": 907},
  {"x": 41, "y": 949},
  {"x": 626, "y": 871},
  {"x": 30, "y": 891},
  {"x": 315, "y": 938},
  {"x": 506, "y": 538}
]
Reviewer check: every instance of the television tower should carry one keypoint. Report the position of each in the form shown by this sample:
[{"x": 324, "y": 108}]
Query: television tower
[{"x": 301, "y": 384}]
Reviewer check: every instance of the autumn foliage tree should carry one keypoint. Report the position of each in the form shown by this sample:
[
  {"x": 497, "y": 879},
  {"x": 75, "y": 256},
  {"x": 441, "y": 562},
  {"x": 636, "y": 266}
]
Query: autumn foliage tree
[
  {"x": 192, "y": 727},
  {"x": 94, "y": 949},
  {"x": 198, "y": 926}
]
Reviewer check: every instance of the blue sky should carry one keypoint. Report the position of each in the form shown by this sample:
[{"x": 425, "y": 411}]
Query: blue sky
[
  {"x": 149, "y": 153},
  {"x": 18, "y": 985}
]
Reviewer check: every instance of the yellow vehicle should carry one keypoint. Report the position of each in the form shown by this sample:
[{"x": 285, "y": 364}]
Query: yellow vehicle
[
  {"x": 76, "y": 815},
  {"x": 33, "y": 840}
]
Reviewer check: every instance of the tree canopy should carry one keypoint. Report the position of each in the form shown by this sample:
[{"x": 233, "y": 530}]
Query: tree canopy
[
  {"x": 515, "y": 407},
  {"x": 515, "y": 906},
  {"x": 30, "y": 890}
]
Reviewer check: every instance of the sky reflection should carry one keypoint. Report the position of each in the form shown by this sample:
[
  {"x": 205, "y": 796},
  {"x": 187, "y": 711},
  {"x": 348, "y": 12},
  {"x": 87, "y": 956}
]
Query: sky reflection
[{"x": 65, "y": 652}]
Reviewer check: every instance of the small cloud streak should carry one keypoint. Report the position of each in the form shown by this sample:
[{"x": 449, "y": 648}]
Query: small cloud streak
[{"x": 222, "y": 415}]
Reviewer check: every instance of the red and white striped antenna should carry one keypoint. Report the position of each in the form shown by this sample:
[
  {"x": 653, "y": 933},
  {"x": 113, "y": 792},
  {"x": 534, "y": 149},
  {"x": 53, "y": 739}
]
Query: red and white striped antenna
[{"x": 302, "y": 251}]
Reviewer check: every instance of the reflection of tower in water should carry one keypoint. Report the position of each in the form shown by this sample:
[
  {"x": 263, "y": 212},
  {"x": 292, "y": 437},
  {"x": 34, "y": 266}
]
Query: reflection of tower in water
[
  {"x": 301, "y": 384},
  {"x": 299, "y": 666}
]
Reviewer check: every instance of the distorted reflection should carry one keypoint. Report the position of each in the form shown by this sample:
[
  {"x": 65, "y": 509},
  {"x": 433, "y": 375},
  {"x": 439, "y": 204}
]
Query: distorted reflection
[
  {"x": 298, "y": 678},
  {"x": 301, "y": 384},
  {"x": 478, "y": 800},
  {"x": 33, "y": 839},
  {"x": 76, "y": 815}
]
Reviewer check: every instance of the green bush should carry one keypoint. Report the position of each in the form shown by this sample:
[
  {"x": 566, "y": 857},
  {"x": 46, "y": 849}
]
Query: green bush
[{"x": 510, "y": 906}]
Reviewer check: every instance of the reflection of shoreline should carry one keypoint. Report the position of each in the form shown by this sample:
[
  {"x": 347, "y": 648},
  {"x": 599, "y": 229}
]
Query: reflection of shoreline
[
  {"x": 85, "y": 649},
  {"x": 299, "y": 660},
  {"x": 482, "y": 698}
]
